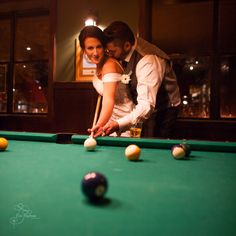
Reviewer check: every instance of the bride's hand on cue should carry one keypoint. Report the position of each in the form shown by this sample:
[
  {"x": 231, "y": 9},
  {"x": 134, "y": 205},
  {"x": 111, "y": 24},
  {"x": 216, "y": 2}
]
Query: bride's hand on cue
[{"x": 96, "y": 131}]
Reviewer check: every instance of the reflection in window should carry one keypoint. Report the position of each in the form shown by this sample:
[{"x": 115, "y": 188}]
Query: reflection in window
[
  {"x": 228, "y": 87},
  {"x": 30, "y": 87},
  {"x": 31, "y": 55},
  {"x": 5, "y": 32},
  {"x": 3, "y": 89},
  {"x": 194, "y": 81},
  {"x": 5, "y": 29},
  {"x": 32, "y": 38}
]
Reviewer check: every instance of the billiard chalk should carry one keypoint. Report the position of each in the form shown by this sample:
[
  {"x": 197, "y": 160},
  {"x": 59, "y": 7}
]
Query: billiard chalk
[
  {"x": 178, "y": 152},
  {"x": 132, "y": 152},
  {"x": 90, "y": 144}
]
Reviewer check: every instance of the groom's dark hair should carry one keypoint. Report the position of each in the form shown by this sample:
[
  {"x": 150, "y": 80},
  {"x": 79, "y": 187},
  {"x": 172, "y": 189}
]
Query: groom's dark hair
[{"x": 119, "y": 32}]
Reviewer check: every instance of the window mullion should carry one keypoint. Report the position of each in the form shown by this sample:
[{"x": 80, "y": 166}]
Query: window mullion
[{"x": 10, "y": 75}]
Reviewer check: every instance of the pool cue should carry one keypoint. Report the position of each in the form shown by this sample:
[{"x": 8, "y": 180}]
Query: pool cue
[{"x": 96, "y": 112}]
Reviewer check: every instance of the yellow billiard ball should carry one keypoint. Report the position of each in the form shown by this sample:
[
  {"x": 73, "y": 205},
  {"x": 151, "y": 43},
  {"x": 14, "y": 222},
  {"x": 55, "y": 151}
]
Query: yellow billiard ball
[
  {"x": 132, "y": 152},
  {"x": 3, "y": 144}
]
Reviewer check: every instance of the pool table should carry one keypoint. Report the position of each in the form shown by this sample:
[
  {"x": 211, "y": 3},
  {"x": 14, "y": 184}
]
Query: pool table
[{"x": 40, "y": 187}]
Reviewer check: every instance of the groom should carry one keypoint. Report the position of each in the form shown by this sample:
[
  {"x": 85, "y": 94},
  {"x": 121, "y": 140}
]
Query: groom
[{"x": 153, "y": 83}]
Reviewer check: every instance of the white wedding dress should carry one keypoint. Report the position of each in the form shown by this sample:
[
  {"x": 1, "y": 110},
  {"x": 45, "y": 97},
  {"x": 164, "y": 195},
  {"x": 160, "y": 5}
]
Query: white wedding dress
[{"x": 123, "y": 102}]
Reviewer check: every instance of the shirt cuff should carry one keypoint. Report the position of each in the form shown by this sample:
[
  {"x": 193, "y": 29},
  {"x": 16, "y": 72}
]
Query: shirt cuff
[{"x": 124, "y": 123}]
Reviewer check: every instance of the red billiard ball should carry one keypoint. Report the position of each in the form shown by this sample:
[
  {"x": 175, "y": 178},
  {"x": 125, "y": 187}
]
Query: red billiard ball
[{"x": 94, "y": 186}]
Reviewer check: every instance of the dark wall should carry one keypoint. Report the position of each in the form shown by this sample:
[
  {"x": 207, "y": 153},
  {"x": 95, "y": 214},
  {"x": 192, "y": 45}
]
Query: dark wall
[
  {"x": 74, "y": 107},
  {"x": 213, "y": 130}
]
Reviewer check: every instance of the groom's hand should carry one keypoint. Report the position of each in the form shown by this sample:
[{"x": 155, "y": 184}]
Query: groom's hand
[{"x": 110, "y": 127}]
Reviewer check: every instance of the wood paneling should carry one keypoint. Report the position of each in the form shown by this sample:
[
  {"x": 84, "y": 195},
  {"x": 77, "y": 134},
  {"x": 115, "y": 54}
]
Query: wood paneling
[
  {"x": 214, "y": 130},
  {"x": 74, "y": 107}
]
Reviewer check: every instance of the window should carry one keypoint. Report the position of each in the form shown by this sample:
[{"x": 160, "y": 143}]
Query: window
[
  {"x": 227, "y": 58},
  {"x": 5, "y": 29},
  {"x": 228, "y": 87},
  {"x": 199, "y": 37},
  {"x": 3, "y": 88},
  {"x": 24, "y": 47},
  {"x": 30, "y": 87},
  {"x": 193, "y": 74}
]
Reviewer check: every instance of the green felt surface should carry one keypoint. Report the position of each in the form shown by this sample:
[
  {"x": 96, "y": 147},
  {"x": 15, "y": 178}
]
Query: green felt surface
[{"x": 158, "y": 195}]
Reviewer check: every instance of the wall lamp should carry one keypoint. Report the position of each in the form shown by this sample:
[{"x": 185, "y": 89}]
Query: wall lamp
[{"x": 91, "y": 19}]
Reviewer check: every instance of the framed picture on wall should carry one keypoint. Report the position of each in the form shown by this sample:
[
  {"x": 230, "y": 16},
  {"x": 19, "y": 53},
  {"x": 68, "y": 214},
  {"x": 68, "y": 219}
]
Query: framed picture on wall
[{"x": 84, "y": 69}]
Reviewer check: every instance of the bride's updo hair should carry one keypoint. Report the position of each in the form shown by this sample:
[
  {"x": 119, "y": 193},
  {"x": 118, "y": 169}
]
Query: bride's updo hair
[{"x": 92, "y": 32}]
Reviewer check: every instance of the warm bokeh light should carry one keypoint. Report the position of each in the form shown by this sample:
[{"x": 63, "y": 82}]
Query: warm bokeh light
[{"x": 90, "y": 21}]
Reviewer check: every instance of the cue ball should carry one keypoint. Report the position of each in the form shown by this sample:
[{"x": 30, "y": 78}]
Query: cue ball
[
  {"x": 3, "y": 144},
  {"x": 132, "y": 152},
  {"x": 94, "y": 186},
  {"x": 90, "y": 144},
  {"x": 178, "y": 152}
]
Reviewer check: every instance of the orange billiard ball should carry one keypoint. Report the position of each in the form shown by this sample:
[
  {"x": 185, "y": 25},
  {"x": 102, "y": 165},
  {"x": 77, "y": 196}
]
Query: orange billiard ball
[
  {"x": 3, "y": 144},
  {"x": 132, "y": 152}
]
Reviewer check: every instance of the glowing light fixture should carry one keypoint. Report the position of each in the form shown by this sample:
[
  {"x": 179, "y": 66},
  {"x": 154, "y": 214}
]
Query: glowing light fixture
[{"x": 91, "y": 19}]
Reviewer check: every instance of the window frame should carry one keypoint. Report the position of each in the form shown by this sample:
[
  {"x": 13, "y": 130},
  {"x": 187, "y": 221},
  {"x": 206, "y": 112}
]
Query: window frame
[
  {"x": 14, "y": 16},
  {"x": 215, "y": 55}
]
